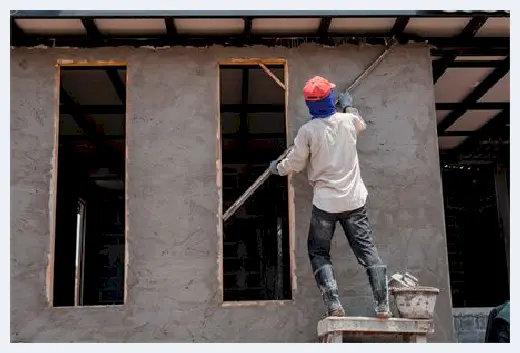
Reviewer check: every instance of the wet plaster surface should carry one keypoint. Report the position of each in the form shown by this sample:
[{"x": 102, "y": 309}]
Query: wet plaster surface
[{"x": 173, "y": 203}]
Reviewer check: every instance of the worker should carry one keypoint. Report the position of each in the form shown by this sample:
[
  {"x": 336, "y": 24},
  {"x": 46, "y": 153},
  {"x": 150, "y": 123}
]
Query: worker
[{"x": 326, "y": 145}]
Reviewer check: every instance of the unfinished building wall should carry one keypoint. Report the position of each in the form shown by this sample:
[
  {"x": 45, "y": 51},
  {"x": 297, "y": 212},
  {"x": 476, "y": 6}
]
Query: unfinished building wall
[{"x": 172, "y": 199}]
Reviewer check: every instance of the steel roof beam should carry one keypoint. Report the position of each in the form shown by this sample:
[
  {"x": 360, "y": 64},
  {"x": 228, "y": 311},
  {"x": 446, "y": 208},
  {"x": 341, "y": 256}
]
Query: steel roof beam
[
  {"x": 497, "y": 123},
  {"x": 323, "y": 29},
  {"x": 469, "y": 51},
  {"x": 440, "y": 65},
  {"x": 460, "y": 133},
  {"x": 474, "y": 64},
  {"x": 91, "y": 133},
  {"x": 117, "y": 83},
  {"x": 248, "y": 30},
  {"x": 473, "y": 106},
  {"x": 475, "y": 95},
  {"x": 93, "y": 32},
  {"x": 399, "y": 27},
  {"x": 171, "y": 29}
]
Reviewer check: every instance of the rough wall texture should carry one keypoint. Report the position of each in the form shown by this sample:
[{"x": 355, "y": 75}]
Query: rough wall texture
[
  {"x": 470, "y": 324},
  {"x": 172, "y": 195}
]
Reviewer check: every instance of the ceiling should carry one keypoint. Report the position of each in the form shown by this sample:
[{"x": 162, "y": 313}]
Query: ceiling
[{"x": 470, "y": 52}]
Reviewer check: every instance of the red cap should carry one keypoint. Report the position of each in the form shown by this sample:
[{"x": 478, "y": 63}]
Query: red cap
[{"x": 317, "y": 88}]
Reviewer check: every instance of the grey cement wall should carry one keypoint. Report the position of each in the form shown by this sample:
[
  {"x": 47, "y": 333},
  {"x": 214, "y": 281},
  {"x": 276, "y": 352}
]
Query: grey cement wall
[
  {"x": 172, "y": 195},
  {"x": 470, "y": 324}
]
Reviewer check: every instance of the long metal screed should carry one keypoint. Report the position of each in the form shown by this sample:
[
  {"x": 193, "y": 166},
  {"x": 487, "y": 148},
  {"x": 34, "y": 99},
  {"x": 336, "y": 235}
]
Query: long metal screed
[{"x": 262, "y": 178}]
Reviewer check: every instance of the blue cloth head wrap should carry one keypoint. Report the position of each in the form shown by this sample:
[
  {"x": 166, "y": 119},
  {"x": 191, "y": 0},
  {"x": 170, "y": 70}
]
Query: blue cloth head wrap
[{"x": 323, "y": 108}]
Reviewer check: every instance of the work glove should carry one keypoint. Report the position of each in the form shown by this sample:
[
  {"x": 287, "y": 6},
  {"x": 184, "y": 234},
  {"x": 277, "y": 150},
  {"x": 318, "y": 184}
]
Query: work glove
[
  {"x": 345, "y": 100},
  {"x": 273, "y": 168}
]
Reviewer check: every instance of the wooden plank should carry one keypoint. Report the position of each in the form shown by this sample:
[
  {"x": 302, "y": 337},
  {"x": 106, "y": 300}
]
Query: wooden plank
[
  {"x": 290, "y": 193},
  {"x": 54, "y": 189},
  {"x": 374, "y": 325},
  {"x": 273, "y": 76},
  {"x": 220, "y": 211},
  {"x": 69, "y": 62},
  {"x": 257, "y": 303},
  {"x": 128, "y": 135},
  {"x": 253, "y": 61}
]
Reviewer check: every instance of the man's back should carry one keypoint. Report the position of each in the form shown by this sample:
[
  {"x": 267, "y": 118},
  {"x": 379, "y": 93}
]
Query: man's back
[
  {"x": 333, "y": 168},
  {"x": 326, "y": 145}
]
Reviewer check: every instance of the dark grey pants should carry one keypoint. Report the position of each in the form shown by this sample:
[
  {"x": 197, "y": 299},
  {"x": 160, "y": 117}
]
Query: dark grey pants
[{"x": 358, "y": 232}]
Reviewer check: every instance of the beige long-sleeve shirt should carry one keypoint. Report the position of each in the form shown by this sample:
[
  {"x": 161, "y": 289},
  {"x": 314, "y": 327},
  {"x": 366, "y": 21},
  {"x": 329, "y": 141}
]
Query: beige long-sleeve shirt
[{"x": 327, "y": 146}]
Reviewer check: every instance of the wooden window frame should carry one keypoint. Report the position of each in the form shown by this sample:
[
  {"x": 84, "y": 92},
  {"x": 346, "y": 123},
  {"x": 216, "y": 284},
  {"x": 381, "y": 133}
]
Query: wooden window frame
[
  {"x": 262, "y": 63},
  {"x": 54, "y": 179}
]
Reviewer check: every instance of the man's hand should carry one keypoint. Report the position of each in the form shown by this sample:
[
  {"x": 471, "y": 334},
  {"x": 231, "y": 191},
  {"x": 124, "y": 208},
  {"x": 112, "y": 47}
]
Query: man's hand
[
  {"x": 273, "y": 168},
  {"x": 359, "y": 123},
  {"x": 345, "y": 100}
]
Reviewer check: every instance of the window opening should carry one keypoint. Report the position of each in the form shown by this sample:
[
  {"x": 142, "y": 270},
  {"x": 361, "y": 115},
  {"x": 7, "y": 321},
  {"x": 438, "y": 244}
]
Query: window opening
[
  {"x": 256, "y": 246},
  {"x": 89, "y": 242}
]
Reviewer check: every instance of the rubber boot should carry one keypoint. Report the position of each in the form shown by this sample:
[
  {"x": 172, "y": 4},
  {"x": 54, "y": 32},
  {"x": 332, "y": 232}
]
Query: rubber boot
[
  {"x": 329, "y": 290},
  {"x": 378, "y": 281}
]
